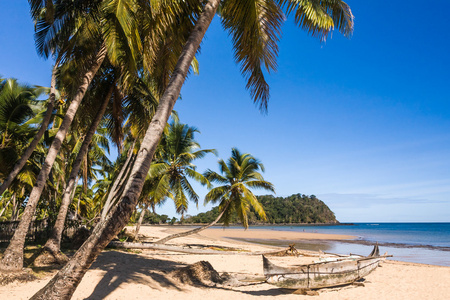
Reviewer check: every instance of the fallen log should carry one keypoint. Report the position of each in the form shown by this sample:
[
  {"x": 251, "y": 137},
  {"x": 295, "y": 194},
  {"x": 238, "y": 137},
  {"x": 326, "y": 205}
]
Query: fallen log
[{"x": 128, "y": 245}]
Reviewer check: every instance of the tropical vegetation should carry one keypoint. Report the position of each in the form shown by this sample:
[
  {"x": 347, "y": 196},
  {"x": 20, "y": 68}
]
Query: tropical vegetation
[
  {"x": 118, "y": 70},
  {"x": 295, "y": 209},
  {"x": 239, "y": 175}
]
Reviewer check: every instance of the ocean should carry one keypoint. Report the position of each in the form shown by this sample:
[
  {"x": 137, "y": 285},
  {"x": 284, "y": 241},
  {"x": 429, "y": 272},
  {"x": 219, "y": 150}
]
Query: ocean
[{"x": 427, "y": 243}]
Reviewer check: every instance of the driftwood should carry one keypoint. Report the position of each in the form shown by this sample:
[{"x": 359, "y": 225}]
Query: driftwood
[{"x": 127, "y": 245}]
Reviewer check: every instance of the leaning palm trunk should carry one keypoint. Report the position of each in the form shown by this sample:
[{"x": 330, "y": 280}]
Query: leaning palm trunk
[
  {"x": 13, "y": 257},
  {"x": 27, "y": 153},
  {"x": 54, "y": 242},
  {"x": 118, "y": 184},
  {"x": 13, "y": 197},
  {"x": 196, "y": 230},
  {"x": 64, "y": 283},
  {"x": 141, "y": 218}
]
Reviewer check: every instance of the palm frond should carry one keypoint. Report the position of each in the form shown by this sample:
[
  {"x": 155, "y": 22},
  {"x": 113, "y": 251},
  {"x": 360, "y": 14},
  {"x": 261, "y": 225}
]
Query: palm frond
[
  {"x": 319, "y": 17},
  {"x": 216, "y": 193},
  {"x": 255, "y": 28}
]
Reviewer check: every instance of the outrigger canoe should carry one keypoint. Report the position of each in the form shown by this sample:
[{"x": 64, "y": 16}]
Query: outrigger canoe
[{"x": 342, "y": 271}]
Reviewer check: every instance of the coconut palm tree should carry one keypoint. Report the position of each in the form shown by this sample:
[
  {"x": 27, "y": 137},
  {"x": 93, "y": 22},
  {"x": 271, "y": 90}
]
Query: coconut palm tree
[
  {"x": 176, "y": 165},
  {"x": 254, "y": 26},
  {"x": 29, "y": 150},
  {"x": 53, "y": 244},
  {"x": 240, "y": 174},
  {"x": 154, "y": 192},
  {"x": 15, "y": 109},
  {"x": 86, "y": 34},
  {"x": 19, "y": 110}
]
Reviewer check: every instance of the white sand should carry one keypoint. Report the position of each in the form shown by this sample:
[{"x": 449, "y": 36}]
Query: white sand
[{"x": 125, "y": 275}]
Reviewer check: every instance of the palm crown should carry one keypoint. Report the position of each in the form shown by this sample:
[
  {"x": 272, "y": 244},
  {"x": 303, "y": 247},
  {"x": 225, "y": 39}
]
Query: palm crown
[
  {"x": 176, "y": 164},
  {"x": 240, "y": 174}
]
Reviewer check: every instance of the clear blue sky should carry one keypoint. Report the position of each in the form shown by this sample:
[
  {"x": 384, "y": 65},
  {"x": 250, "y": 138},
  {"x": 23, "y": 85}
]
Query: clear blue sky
[{"x": 362, "y": 123}]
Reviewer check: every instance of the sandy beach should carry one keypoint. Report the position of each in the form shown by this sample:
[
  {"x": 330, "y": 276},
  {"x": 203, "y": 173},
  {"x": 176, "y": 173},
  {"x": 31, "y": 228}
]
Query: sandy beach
[{"x": 144, "y": 274}]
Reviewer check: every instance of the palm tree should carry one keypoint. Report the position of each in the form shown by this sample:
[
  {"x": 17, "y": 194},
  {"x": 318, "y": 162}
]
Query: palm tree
[
  {"x": 15, "y": 109},
  {"x": 175, "y": 166},
  {"x": 155, "y": 191},
  {"x": 29, "y": 150},
  {"x": 254, "y": 26},
  {"x": 53, "y": 244},
  {"x": 19, "y": 110},
  {"x": 239, "y": 175},
  {"x": 86, "y": 34}
]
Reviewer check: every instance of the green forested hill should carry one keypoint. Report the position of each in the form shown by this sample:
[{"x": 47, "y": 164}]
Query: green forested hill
[{"x": 296, "y": 208}]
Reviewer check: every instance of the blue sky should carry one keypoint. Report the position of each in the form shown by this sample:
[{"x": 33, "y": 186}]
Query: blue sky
[{"x": 362, "y": 123}]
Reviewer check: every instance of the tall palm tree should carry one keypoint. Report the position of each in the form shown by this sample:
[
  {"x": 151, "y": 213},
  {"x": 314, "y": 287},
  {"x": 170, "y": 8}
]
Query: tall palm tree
[
  {"x": 254, "y": 26},
  {"x": 19, "y": 111},
  {"x": 16, "y": 102},
  {"x": 240, "y": 174},
  {"x": 88, "y": 33},
  {"x": 53, "y": 244},
  {"x": 176, "y": 165},
  {"x": 154, "y": 192},
  {"x": 29, "y": 150}
]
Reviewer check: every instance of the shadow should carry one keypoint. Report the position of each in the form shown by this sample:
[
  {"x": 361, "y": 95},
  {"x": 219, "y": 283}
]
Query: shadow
[
  {"x": 121, "y": 267},
  {"x": 269, "y": 292}
]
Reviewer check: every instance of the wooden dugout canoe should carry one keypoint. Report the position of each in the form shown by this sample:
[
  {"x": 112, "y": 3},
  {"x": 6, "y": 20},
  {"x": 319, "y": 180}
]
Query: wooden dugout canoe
[{"x": 322, "y": 274}]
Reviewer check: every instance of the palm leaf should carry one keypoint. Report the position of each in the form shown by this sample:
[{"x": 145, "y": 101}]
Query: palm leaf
[{"x": 255, "y": 28}]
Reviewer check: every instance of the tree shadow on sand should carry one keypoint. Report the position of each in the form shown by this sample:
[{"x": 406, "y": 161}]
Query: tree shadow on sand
[{"x": 122, "y": 267}]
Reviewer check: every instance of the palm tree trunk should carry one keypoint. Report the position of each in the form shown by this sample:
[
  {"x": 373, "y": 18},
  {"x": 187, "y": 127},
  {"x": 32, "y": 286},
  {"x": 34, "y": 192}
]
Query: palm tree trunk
[
  {"x": 15, "y": 209},
  {"x": 78, "y": 204},
  {"x": 118, "y": 183},
  {"x": 54, "y": 242},
  {"x": 13, "y": 257},
  {"x": 64, "y": 283},
  {"x": 196, "y": 230},
  {"x": 13, "y": 197},
  {"x": 141, "y": 218},
  {"x": 27, "y": 153}
]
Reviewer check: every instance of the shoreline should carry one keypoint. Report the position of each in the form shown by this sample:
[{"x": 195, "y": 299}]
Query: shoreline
[
  {"x": 332, "y": 243},
  {"x": 293, "y": 236},
  {"x": 258, "y": 224},
  {"x": 256, "y": 233}
]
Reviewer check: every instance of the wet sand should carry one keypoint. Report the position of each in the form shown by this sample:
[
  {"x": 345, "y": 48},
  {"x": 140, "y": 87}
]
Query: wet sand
[{"x": 252, "y": 233}]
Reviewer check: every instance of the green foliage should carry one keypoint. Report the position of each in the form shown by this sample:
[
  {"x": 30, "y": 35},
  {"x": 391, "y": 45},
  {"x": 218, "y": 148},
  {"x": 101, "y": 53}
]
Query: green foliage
[
  {"x": 240, "y": 175},
  {"x": 296, "y": 208},
  {"x": 176, "y": 164},
  {"x": 154, "y": 218}
]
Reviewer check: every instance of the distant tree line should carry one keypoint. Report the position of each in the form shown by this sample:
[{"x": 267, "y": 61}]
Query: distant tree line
[{"x": 297, "y": 208}]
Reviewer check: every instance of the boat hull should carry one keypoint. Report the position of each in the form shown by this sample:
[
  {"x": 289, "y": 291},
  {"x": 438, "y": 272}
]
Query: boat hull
[{"x": 319, "y": 275}]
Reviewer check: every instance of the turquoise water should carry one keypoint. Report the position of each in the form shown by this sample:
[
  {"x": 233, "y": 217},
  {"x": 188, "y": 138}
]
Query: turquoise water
[{"x": 427, "y": 243}]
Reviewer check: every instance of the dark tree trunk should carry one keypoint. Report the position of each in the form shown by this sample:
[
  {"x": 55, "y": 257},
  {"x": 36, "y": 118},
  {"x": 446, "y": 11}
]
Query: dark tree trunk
[
  {"x": 64, "y": 283},
  {"x": 27, "y": 153},
  {"x": 196, "y": 230},
  {"x": 13, "y": 257},
  {"x": 54, "y": 242}
]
